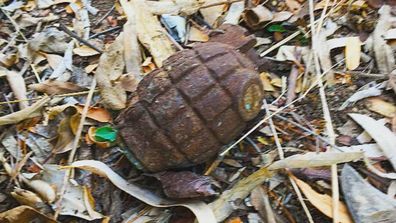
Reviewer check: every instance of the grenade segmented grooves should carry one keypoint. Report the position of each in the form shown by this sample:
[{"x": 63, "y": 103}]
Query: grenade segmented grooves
[{"x": 187, "y": 110}]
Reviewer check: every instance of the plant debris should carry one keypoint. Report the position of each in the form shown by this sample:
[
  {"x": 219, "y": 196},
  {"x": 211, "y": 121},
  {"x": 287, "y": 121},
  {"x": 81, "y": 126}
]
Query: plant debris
[{"x": 197, "y": 110}]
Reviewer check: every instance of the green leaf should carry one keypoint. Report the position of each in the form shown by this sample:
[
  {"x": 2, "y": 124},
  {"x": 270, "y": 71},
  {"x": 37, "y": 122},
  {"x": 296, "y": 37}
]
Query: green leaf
[
  {"x": 276, "y": 28},
  {"x": 105, "y": 134}
]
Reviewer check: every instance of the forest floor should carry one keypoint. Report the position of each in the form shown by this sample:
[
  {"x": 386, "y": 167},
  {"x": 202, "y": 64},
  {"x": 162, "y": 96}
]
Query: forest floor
[{"x": 322, "y": 148}]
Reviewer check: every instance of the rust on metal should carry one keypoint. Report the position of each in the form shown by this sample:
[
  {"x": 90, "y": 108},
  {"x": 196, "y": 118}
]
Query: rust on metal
[{"x": 197, "y": 102}]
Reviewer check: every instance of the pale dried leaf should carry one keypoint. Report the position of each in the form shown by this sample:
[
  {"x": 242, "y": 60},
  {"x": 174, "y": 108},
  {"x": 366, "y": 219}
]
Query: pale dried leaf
[
  {"x": 313, "y": 159},
  {"x": 30, "y": 112},
  {"x": 369, "y": 90},
  {"x": 223, "y": 206},
  {"x": 53, "y": 60},
  {"x": 323, "y": 52},
  {"x": 18, "y": 86},
  {"x": 132, "y": 54},
  {"x": 390, "y": 34},
  {"x": 323, "y": 202},
  {"x": 197, "y": 35},
  {"x": 175, "y": 7},
  {"x": 257, "y": 17},
  {"x": 90, "y": 68},
  {"x": 96, "y": 113},
  {"x": 352, "y": 52},
  {"x": 366, "y": 203},
  {"x": 76, "y": 201},
  {"x": 129, "y": 82},
  {"x": 56, "y": 87},
  {"x": 110, "y": 68},
  {"x": 24, "y": 213},
  {"x": 44, "y": 189},
  {"x": 66, "y": 63},
  {"x": 203, "y": 213},
  {"x": 13, "y": 6},
  {"x": 294, "y": 6},
  {"x": 8, "y": 60},
  {"x": 260, "y": 200},
  {"x": 50, "y": 40},
  {"x": 384, "y": 137},
  {"x": 370, "y": 150},
  {"x": 212, "y": 14},
  {"x": 381, "y": 107},
  {"x": 281, "y": 16},
  {"x": 150, "y": 32},
  {"x": 384, "y": 55},
  {"x": 234, "y": 13},
  {"x": 177, "y": 24},
  {"x": 85, "y": 51},
  {"x": 266, "y": 82}
]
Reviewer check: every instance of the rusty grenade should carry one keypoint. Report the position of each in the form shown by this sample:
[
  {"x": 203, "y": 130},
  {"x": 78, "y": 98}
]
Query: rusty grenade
[{"x": 197, "y": 102}]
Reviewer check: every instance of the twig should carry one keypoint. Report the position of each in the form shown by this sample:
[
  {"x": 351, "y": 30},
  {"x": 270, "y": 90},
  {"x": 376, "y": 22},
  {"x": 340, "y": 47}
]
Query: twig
[
  {"x": 57, "y": 95},
  {"x": 105, "y": 31},
  {"x": 292, "y": 80},
  {"x": 104, "y": 17},
  {"x": 75, "y": 146},
  {"x": 326, "y": 114},
  {"x": 281, "y": 155},
  {"x": 81, "y": 40}
]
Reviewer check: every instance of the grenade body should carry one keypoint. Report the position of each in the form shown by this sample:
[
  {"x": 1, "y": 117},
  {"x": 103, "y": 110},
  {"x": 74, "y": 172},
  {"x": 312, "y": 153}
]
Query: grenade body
[{"x": 187, "y": 110}]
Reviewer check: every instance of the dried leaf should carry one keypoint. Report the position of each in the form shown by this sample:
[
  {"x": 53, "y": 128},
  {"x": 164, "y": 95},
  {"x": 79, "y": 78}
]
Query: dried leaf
[
  {"x": 223, "y": 206},
  {"x": 17, "y": 84},
  {"x": 176, "y": 26},
  {"x": 183, "y": 7},
  {"x": 96, "y": 113},
  {"x": 365, "y": 202},
  {"x": 50, "y": 40},
  {"x": 56, "y": 87},
  {"x": 323, "y": 202},
  {"x": 8, "y": 60},
  {"x": 132, "y": 54},
  {"x": 30, "y": 112},
  {"x": 381, "y": 107},
  {"x": 13, "y": 6},
  {"x": 24, "y": 214},
  {"x": 150, "y": 32},
  {"x": 266, "y": 82},
  {"x": 384, "y": 137},
  {"x": 370, "y": 150},
  {"x": 185, "y": 184},
  {"x": 203, "y": 213},
  {"x": 197, "y": 35},
  {"x": 76, "y": 200},
  {"x": 111, "y": 66},
  {"x": 313, "y": 159},
  {"x": 390, "y": 34},
  {"x": 258, "y": 16},
  {"x": 85, "y": 51},
  {"x": 369, "y": 90},
  {"x": 53, "y": 60},
  {"x": 26, "y": 197},
  {"x": 352, "y": 52},
  {"x": 281, "y": 16},
  {"x": 212, "y": 14},
  {"x": 383, "y": 52},
  {"x": 294, "y": 6},
  {"x": 234, "y": 13},
  {"x": 259, "y": 199},
  {"x": 44, "y": 189}
]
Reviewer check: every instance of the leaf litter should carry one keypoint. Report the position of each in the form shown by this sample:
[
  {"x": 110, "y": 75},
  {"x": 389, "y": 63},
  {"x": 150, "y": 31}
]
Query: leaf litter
[{"x": 52, "y": 51}]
